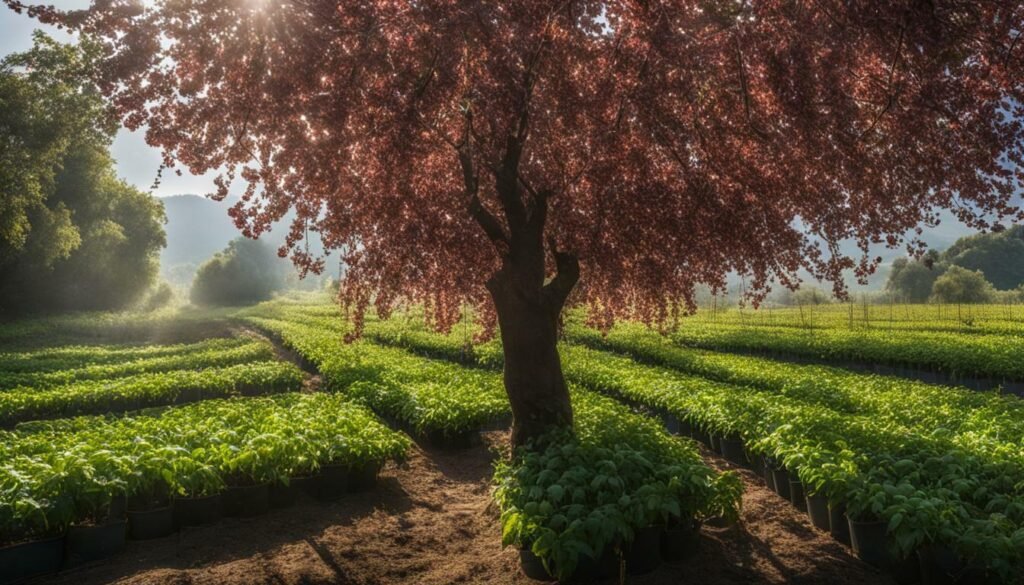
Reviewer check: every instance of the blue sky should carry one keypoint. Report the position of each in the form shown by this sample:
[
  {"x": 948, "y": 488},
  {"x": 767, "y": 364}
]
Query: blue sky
[{"x": 137, "y": 162}]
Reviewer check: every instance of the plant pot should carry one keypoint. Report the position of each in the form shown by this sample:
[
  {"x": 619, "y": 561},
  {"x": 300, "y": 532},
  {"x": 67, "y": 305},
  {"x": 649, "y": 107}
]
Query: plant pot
[
  {"x": 769, "y": 477},
  {"x": 280, "y": 495},
  {"x": 781, "y": 478},
  {"x": 588, "y": 569},
  {"x": 904, "y": 571},
  {"x": 148, "y": 524},
  {"x": 732, "y": 450},
  {"x": 35, "y": 557},
  {"x": 868, "y": 539},
  {"x": 756, "y": 464},
  {"x": 364, "y": 477},
  {"x": 246, "y": 501},
  {"x": 671, "y": 422},
  {"x": 198, "y": 511},
  {"x": 332, "y": 483},
  {"x": 817, "y": 509},
  {"x": 680, "y": 541},
  {"x": 118, "y": 508},
  {"x": 532, "y": 566},
  {"x": 796, "y": 495},
  {"x": 715, "y": 443},
  {"x": 84, "y": 544},
  {"x": 685, "y": 428},
  {"x": 702, "y": 436},
  {"x": 460, "y": 440},
  {"x": 939, "y": 565},
  {"x": 643, "y": 554},
  {"x": 838, "y": 526}
]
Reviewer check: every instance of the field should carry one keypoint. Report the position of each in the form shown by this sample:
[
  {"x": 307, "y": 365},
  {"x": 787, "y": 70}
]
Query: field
[{"x": 254, "y": 445}]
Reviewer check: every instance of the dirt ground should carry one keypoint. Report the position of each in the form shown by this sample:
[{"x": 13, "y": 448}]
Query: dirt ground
[{"x": 432, "y": 522}]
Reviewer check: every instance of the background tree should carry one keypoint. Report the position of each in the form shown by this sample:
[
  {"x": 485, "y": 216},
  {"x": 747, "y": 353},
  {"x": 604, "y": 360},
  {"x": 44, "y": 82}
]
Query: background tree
[
  {"x": 246, "y": 272},
  {"x": 72, "y": 235},
  {"x": 911, "y": 280},
  {"x": 999, "y": 256},
  {"x": 959, "y": 285},
  {"x": 495, "y": 152}
]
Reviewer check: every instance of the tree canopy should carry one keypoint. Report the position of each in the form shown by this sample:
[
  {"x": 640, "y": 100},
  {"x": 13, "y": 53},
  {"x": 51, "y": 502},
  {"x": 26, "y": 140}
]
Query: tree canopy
[
  {"x": 959, "y": 285},
  {"x": 999, "y": 256},
  {"x": 246, "y": 272},
  {"x": 666, "y": 143},
  {"x": 72, "y": 235}
]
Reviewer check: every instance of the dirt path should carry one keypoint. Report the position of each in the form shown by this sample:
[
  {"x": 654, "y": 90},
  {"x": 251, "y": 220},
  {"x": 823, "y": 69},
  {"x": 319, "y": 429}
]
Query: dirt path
[{"x": 432, "y": 522}]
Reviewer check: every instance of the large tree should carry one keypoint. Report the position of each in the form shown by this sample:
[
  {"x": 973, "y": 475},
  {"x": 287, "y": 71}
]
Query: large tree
[{"x": 497, "y": 152}]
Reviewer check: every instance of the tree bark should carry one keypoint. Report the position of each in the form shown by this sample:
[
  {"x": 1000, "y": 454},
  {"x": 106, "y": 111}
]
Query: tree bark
[{"x": 533, "y": 371}]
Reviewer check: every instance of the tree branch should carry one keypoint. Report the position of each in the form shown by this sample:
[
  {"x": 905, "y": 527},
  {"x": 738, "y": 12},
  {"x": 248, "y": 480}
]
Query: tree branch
[{"x": 568, "y": 265}]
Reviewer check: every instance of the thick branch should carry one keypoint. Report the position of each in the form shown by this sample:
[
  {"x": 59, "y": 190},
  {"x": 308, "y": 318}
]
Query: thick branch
[{"x": 568, "y": 266}]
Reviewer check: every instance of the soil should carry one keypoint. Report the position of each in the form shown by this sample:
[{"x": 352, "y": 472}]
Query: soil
[{"x": 431, "y": 521}]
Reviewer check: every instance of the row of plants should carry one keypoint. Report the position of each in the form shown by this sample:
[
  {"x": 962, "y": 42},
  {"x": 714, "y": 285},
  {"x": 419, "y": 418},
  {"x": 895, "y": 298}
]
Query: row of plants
[
  {"x": 51, "y": 359},
  {"x": 430, "y": 398},
  {"x": 69, "y": 472},
  {"x": 934, "y": 467},
  {"x": 574, "y": 499},
  {"x": 999, "y": 357},
  {"x": 1002, "y": 319},
  {"x": 963, "y": 413},
  {"x": 923, "y": 488},
  {"x": 196, "y": 357},
  {"x": 146, "y": 390}
]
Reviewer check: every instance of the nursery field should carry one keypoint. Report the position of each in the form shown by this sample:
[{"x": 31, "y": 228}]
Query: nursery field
[{"x": 255, "y": 445}]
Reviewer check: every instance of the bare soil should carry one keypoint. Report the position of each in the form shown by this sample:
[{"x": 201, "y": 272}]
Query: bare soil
[{"x": 431, "y": 521}]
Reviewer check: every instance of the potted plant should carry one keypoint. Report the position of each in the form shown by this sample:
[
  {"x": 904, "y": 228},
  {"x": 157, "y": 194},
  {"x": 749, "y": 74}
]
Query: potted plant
[
  {"x": 29, "y": 544},
  {"x": 197, "y": 490},
  {"x": 149, "y": 510},
  {"x": 92, "y": 487}
]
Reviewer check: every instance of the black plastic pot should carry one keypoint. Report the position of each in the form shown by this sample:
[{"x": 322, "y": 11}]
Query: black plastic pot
[
  {"x": 306, "y": 484},
  {"x": 332, "y": 483},
  {"x": 364, "y": 477},
  {"x": 939, "y": 565},
  {"x": 148, "y": 524},
  {"x": 680, "y": 541},
  {"x": 671, "y": 422},
  {"x": 868, "y": 540},
  {"x": 118, "y": 508},
  {"x": 36, "y": 557},
  {"x": 84, "y": 544},
  {"x": 838, "y": 526},
  {"x": 796, "y": 495},
  {"x": 282, "y": 496},
  {"x": 198, "y": 511},
  {"x": 733, "y": 451},
  {"x": 781, "y": 480},
  {"x": 246, "y": 501},
  {"x": 904, "y": 571},
  {"x": 685, "y": 428},
  {"x": 643, "y": 555},
  {"x": 817, "y": 510},
  {"x": 715, "y": 442},
  {"x": 462, "y": 440},
  {"x": 532, "y": 566},
  {"x": 757, "y": 464},
  {"x": 702, "y": 436}
]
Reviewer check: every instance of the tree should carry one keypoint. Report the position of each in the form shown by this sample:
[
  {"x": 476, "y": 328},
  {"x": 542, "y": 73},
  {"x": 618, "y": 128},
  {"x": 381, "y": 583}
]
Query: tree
[
  {"x": 72, "y": 235},
  {"x": 246, "y": 272},
  {"x": 999, "y": 256},
  {"x": 495, "y": 152},
  {"x": 959, "y": 285},
  {"x": 912, "y": 280}
]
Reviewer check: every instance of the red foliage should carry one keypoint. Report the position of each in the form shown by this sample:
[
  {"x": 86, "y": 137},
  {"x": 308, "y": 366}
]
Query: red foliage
[{"x": 676, "y": 140}]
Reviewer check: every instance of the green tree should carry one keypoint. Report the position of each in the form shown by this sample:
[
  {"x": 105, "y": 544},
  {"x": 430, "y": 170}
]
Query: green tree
[
  {"x": 959, "y": 285},
  {"x": 912, "y": 280},
  {"x": 72, "y": 235},
  {"x": 246, "y": 272},
  {"x": 998, "y": 255}
]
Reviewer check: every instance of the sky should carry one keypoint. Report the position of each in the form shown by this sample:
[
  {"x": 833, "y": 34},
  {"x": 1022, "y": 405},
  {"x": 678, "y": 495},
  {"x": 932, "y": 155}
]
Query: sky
[{"x": 137, "y": 162}]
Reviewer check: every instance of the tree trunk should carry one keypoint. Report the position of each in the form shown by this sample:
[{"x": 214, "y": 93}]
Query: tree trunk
[{"x": 533, "y": 372}]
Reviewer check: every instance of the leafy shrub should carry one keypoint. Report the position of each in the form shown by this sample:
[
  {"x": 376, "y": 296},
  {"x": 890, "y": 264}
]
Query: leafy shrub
[{"x": 246, "y": 272}]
